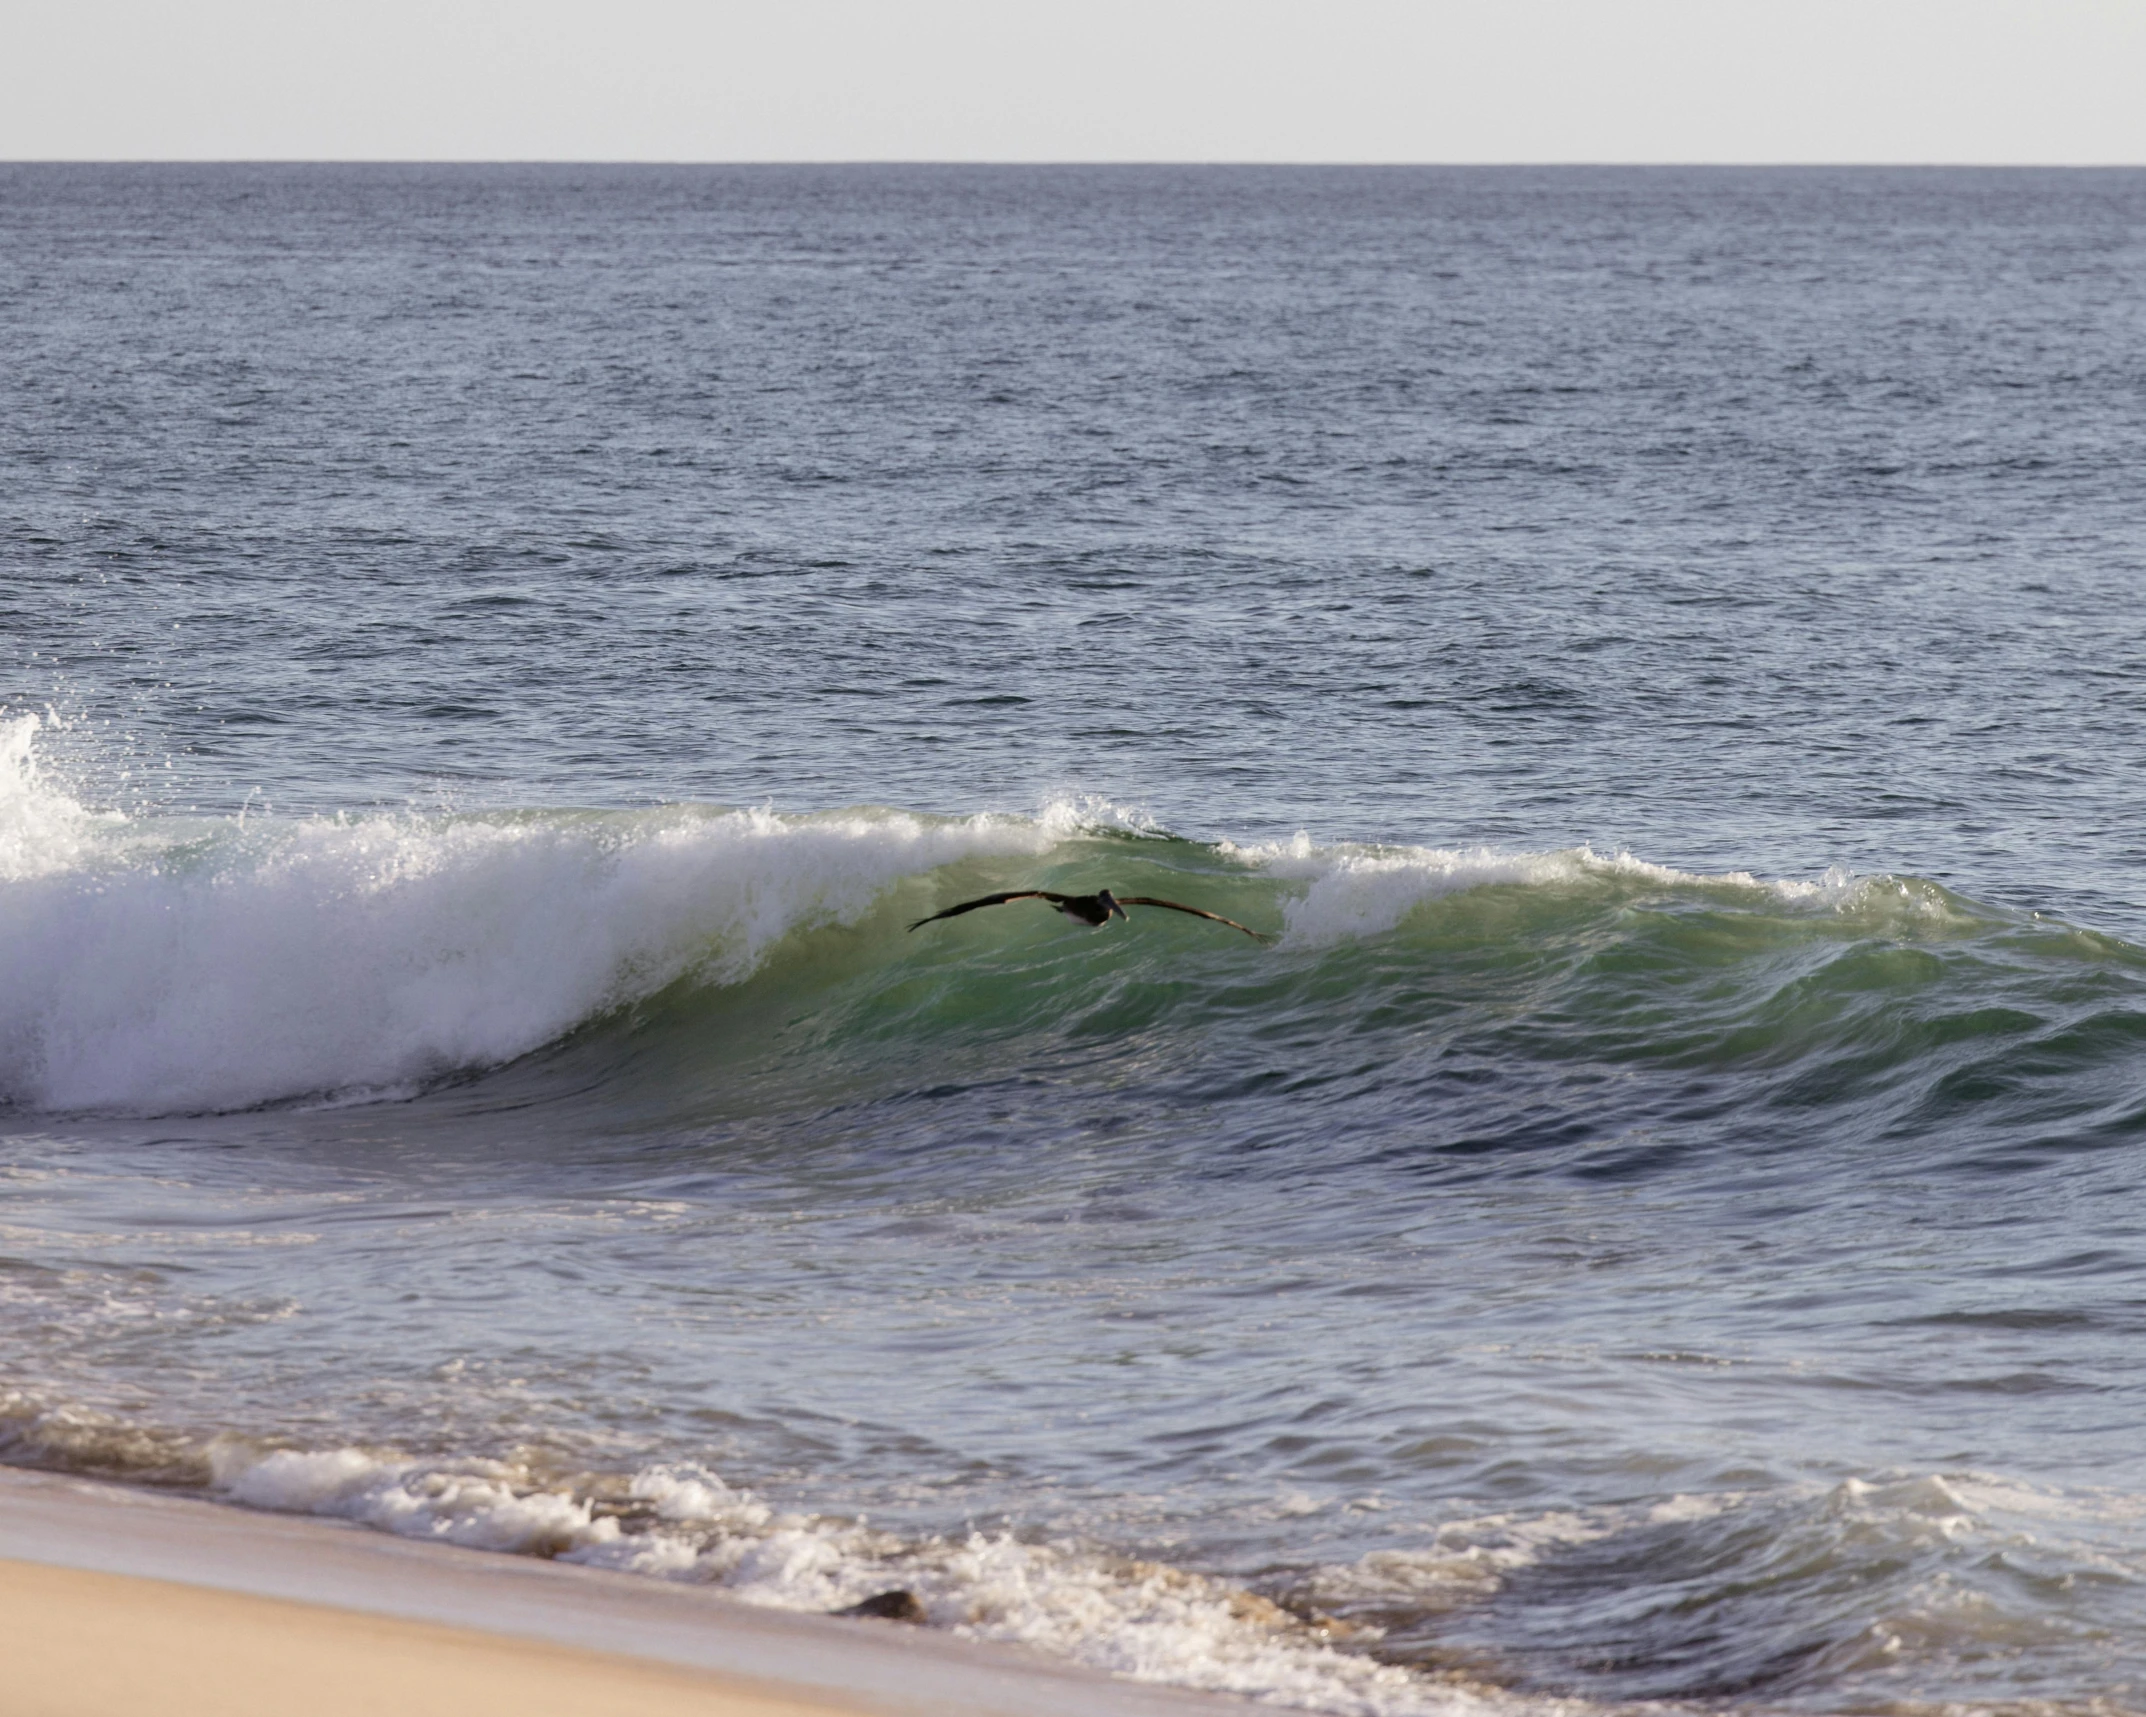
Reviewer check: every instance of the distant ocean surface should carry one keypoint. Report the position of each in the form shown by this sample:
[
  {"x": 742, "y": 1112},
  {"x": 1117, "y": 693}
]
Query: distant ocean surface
[{"x": 496, "y": 657}]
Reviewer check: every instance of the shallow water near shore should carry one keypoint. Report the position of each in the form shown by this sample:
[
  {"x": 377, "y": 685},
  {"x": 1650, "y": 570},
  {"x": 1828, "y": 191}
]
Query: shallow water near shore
[{"x": 506, "y": 654}]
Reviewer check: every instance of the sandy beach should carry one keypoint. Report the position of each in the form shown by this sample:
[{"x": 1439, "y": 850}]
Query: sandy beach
[
  {"x": 114, "y": 1600},
  {"x": 107, "y": 1643}
]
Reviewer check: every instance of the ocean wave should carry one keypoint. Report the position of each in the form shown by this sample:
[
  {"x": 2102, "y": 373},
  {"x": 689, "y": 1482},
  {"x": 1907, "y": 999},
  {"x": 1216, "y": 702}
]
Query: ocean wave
[
  {"x": 158, "y": 965},
  {"x": 1840, "y": 1591},
  {"x": 223, "y": 963}
]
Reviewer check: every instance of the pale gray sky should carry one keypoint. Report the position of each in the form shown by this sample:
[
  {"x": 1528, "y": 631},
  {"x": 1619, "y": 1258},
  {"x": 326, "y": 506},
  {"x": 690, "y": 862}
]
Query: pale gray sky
[{"x": 1092, "y": 80}]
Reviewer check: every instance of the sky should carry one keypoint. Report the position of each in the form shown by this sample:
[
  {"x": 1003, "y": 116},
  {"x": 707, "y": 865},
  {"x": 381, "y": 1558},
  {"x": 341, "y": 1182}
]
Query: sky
[{"x": 1971, "y": 81}]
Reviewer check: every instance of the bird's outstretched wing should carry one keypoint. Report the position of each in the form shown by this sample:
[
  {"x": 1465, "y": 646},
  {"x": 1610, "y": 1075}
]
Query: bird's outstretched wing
[
  {"x": 1179, "y": 906},
  {"x": 989, "y": 900}
]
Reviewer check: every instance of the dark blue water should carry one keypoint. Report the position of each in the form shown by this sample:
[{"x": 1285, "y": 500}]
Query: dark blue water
[{"x": 497, "y": 657}]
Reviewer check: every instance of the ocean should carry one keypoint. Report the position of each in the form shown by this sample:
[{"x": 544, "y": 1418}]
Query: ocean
[{"x": 497, "y": 658}]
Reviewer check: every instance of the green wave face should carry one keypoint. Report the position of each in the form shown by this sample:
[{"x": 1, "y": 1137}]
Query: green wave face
[
  {"x": 691, "y": 964},
  {"x": 1481, "y": 1002}
]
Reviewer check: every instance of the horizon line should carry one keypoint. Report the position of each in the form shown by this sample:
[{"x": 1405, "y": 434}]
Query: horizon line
[{"x": 1068, "y": 163}]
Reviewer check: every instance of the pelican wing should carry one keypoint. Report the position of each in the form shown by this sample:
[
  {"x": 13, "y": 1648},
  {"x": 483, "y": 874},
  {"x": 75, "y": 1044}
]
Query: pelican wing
[
  {"x": 1180, "y": 906},
  {"x": 990, "y": 900}
]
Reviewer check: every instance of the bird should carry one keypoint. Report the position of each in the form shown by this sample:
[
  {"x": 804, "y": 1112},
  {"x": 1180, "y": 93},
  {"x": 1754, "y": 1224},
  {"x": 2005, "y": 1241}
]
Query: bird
[{"x": 1094, "y": 910}]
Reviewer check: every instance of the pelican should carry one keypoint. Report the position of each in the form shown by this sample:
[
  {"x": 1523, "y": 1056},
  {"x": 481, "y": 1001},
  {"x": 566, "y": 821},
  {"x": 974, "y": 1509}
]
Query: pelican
[{"x": 1094, "y": 910}]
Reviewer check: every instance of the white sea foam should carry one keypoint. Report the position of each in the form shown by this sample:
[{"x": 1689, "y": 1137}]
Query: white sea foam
[
  {"x": 1460, "y": 1561},
  {"x": 1356, "y": 891},
  {"x": 1144, "y": 1621},
  {"x": 42, "y": 828},
  {"x": 218, "y": 964},
  {"x": 1351, "y": 891}
]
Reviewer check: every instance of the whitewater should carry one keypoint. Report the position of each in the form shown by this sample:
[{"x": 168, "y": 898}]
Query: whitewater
[
  {"x": 498, "y": 658},
  {"x": 186, "y": 965}
]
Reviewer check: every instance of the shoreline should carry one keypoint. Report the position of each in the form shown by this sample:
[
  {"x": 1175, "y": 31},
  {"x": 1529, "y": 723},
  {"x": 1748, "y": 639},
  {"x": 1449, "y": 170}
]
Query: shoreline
[{"x": 116, "y": 1600}]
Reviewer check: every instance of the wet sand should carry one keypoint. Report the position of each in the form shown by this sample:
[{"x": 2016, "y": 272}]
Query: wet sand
[{"x": 100, "y": 1645}]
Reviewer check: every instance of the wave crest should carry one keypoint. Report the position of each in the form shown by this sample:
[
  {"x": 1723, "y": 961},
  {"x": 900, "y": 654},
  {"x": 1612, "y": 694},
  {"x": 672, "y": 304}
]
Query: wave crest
[
  {"x": 227, "y": 964},
  {"x": 163, "y": 965}
]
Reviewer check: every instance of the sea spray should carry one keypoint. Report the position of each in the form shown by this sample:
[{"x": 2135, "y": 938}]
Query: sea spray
[
  {"x": 250, "y": 962},
  {"x": 43, "y": 830}
]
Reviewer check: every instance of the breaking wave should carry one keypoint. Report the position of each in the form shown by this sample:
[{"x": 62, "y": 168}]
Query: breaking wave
[{"x": 157, "y": 965}]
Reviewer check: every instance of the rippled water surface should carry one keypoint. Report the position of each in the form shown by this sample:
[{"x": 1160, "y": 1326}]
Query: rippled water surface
[{"x": 499, "y": 657}]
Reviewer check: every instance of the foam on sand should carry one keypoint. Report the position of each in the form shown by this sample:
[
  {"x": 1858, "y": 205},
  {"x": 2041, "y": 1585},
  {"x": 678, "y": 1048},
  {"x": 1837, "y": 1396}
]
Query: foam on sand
[
  {"x": 1144, "y": 1621},
  {"x": 554, "y": 1639}
]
